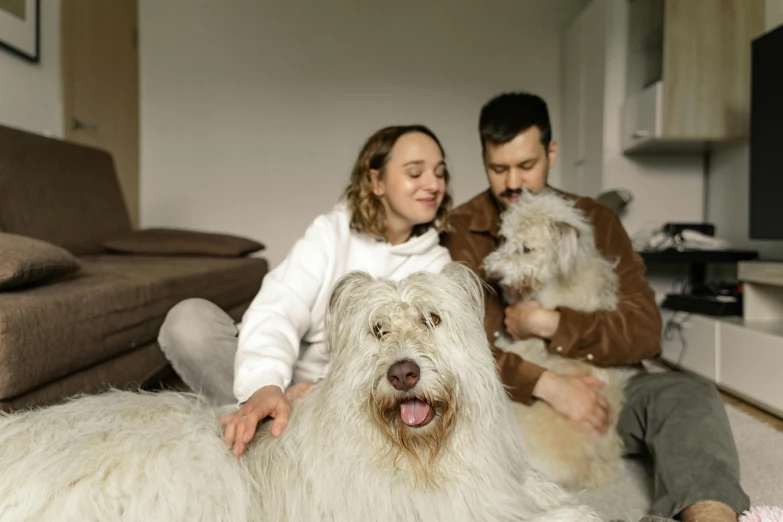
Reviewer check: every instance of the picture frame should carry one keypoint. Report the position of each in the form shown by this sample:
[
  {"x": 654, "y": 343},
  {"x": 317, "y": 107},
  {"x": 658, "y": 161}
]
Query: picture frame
[{"x": 20, "y": 28}]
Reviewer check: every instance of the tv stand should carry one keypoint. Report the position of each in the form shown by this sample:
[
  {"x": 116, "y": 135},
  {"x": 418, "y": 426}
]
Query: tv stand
[
  {"x": 696, "y": 260},
  {"x": 742, "y": 355}
]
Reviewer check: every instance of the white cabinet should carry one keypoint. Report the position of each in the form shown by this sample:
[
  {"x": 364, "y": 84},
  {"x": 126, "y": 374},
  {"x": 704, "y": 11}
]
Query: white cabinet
[
  {"x": 689, "y": 342},
  {"x": 751, "y": 362},
  {"x": 744, "y": 356},
  {"x": 641, "y": 118}
]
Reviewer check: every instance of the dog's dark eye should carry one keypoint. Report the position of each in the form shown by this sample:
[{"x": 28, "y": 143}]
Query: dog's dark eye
[
  {"x": 434, "y": 319},
  {"x": 378, "y": 331},
  {"x": 501, "y": 239},
  {"x": 526, "y": 250}
]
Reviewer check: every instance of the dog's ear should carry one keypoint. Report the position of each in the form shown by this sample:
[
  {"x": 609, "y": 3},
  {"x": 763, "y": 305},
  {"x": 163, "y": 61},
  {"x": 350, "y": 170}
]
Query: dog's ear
[
  {"x": 346, "y": 287},
  {"x": 567, "y": 237},
  {"x": 468, "y": 284}
]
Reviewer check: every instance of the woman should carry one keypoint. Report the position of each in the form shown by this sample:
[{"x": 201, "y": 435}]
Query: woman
[{"x": 386, "y": 225}]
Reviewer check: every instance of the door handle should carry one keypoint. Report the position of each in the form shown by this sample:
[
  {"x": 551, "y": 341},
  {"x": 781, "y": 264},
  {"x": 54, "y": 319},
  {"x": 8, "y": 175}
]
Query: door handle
[{"x": 77, "y": 124}]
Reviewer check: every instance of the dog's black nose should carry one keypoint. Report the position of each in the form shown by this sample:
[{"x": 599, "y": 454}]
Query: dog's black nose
[{"x": 403, "y": 375}]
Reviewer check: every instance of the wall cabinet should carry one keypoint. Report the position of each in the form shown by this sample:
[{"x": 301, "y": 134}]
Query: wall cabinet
[{"x": 688, "y": 73}]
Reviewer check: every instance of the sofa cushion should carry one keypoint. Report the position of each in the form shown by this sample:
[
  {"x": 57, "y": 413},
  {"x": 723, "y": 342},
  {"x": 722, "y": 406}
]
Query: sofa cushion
[
  {"x": 131, "y": 369},
  {"x": 117, "y": 303},
  {"x": 60, "y": 192},
  {"x": 173, "y": 242},
  {"x": 25, "y": 261}
]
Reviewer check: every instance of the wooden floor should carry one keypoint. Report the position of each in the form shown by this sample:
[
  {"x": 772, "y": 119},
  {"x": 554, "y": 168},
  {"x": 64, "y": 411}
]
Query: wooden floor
[
  {"x": 754, "y": 412},
  {"x": 172, "y": 381}
]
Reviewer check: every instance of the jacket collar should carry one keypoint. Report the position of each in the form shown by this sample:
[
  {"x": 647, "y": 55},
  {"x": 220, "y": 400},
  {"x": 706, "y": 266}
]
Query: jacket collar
[
  {"x": 486, "y": 212},
  {"x": 485, "y": 215}
]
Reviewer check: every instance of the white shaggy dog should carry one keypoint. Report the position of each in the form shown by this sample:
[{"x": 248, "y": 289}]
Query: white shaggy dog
[
  {"x": 411, "y": 424},
  {"x": 549, "y": 255}
]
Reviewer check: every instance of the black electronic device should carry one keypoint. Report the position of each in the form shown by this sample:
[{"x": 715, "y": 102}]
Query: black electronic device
[
  {"x": 766, "y": 129},
  {"x": 703, "y": 304}
]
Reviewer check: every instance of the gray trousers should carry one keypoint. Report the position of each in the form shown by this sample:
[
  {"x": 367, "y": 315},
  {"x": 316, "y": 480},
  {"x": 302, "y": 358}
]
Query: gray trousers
[
  {"x": 680, "y": 422},
  {"x": 200, "y": 341},
  {"x": 677, "y": 420}
]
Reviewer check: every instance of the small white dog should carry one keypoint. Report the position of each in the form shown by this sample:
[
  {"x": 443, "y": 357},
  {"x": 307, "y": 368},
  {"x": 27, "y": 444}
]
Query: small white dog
[
  {"x": 549, "y": 255},
  {"x": 412, "y": 423}
]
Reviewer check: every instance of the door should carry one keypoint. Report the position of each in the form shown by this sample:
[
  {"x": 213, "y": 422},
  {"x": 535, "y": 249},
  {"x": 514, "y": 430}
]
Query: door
[
  {"x": 100, "y": 69},
  {"x": 593, "y": 71},
  {"x": 584, "y": 66},
  {"x": 571, "y": 146}
]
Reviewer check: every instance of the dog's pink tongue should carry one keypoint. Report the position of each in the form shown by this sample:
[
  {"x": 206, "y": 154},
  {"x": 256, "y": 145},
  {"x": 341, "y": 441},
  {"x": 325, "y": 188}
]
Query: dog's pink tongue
[{"x": 414, "y": 412}]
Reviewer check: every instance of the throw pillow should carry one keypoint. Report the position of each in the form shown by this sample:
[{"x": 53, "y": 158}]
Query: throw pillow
[{"x": 25, "y": 260}]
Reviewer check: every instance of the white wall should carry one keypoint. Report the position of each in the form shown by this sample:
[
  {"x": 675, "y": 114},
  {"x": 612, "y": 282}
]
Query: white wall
[
  {"x": 31, "y": 94},
  {"x": 773, "y": 13},
  {"x": 252, "y": 115},
  {"x": 665, "y": 188},
  {"x": 728, "y": 183}
]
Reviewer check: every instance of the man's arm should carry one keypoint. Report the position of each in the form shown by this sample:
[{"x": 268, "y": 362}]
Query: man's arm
[
  {"x": 520, "y": 376},
  {"x": 627, "y": 335}
]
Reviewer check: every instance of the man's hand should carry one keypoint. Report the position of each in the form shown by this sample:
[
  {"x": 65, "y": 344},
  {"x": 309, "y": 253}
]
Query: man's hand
[
  {"x": 241, "y": 425},
  {"x": 578, "y": 398},
  {"x": 526, "y": 319}
]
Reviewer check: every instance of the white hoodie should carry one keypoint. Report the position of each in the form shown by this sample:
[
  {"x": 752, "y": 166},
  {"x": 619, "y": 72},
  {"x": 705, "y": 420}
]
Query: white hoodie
[{"x": 281, "y": 337}]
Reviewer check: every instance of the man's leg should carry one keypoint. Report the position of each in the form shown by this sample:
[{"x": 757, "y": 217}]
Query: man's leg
[
  {"x": 681, "y": 422},
  {"x": 200, "y": 341}
]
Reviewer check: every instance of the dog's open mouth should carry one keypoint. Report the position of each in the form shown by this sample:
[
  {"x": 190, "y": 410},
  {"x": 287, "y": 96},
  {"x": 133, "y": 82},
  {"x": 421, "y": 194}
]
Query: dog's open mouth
[{"x": 416, "y": 413}]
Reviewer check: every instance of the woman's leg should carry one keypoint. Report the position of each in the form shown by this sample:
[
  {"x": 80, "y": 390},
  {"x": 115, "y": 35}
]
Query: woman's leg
[{"x": 200, "y": 341}]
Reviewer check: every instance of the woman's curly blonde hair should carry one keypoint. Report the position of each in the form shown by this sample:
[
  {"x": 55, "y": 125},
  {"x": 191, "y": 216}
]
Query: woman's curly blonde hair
[{"x": 367, "y": 212}]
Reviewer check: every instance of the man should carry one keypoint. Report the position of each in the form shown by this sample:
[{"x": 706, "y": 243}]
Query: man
[{"x": 679, "y": 421}]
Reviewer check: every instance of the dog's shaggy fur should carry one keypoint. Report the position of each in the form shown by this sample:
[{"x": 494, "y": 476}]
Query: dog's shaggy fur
[
  {"x": 346, "y": 455},
  {"x": 548, "y": 254}
]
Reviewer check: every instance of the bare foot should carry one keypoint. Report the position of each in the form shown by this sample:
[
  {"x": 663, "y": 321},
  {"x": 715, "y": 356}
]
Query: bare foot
[{"x": 709, "y": 511}]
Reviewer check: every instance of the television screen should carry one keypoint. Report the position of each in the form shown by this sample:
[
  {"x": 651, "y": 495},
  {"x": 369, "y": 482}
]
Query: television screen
[{"x": 766, "y": 136}]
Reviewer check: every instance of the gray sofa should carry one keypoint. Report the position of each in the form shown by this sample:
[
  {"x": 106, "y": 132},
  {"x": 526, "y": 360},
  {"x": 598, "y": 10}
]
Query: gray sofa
[{"x": 97, "y": 325}]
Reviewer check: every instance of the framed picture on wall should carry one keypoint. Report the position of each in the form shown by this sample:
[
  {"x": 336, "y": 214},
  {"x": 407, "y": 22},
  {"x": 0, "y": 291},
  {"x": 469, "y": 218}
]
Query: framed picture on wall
[{"x": 20, "y": 27}]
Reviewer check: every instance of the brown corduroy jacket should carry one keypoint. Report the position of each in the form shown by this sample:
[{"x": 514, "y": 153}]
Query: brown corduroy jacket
[{"x": 624, "y": 336}]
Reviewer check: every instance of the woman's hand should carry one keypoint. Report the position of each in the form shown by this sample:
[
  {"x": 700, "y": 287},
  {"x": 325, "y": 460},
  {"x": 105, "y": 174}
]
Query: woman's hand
[
  {"x": 297, "y": 392},
  {"x": 240, "y": 426}
]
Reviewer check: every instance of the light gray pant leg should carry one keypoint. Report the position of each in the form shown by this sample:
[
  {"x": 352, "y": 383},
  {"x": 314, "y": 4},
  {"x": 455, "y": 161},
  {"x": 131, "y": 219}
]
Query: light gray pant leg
[{"x": 200, "y": 341}]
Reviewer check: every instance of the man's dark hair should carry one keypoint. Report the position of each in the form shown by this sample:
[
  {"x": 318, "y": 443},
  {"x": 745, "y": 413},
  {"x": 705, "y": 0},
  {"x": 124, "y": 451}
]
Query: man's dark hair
[{"x": 507, "y": 115}]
